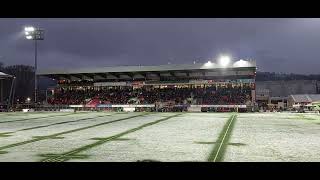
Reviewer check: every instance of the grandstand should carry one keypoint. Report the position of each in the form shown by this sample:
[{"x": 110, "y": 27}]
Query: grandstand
[{"x": 187, "y": 87}]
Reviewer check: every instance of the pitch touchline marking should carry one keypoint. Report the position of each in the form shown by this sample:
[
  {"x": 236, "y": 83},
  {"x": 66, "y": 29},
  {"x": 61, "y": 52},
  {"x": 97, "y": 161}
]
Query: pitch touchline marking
[
  {"x": 73, "y": 153},
  {"x": 214, "y": 160},
  {"x": 39, "y": 138}
]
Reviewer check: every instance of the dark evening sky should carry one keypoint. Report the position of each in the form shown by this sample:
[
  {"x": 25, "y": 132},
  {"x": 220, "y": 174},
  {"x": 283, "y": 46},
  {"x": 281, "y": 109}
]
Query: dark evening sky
[{"x": 278, "y": 45}]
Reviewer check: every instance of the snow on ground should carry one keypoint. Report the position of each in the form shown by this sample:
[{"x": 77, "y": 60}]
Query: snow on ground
[
  {"x": 28, "y": 134},
  {"x": 173, "y": 140},
  {"x": 26, "y": 122},
  {"x": 275, "y": 137},
  {"x": 84, "y": 137},
  {"x": 20, "y": 115},
  {"x": 188, "y": 137},
  {"x": 76, "y": 139}
]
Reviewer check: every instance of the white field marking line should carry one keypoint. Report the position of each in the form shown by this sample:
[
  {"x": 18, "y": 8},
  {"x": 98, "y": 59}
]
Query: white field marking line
[{"x": 214, "y": 160}]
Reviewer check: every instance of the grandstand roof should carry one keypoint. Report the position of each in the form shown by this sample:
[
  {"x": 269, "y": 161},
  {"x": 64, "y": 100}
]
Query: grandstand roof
[
  {"x": 135, "y": 72},
  {"x": 307, "y": 98},
  {"x": 4, "y": 75}
]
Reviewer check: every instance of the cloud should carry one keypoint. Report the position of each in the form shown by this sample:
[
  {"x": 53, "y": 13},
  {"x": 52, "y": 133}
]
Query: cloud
[{"x": 277, "y": 44}]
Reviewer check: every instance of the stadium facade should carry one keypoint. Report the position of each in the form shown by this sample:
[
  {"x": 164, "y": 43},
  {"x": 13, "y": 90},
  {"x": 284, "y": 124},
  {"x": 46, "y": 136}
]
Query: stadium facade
[{"x": 214, "y": 81}]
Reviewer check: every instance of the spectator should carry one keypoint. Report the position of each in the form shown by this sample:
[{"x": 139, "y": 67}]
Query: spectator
[{"x": 200, "y": 95}]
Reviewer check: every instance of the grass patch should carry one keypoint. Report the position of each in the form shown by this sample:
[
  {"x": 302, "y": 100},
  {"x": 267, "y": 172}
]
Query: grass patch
[
  {"x": 231, "y": 144},
  {"x": 218, "y": 151},
  {"x": 203, "y": 142},
  {"x": 237, "y": 144},
  {"x": 47, "y": 137},
  {"x": 76, "y": 156},
  {"x": 118, "y": 139},
  {"x": 122, "y": 139},
  {"x": 66, "y": 156},
  {"x": 6, "y": 134}
]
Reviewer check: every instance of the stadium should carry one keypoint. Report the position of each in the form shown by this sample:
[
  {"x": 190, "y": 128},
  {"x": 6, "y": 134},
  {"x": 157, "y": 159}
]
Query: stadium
[
  {"x": 197, "y": 87},
  {"x": 186, "y": 113}
]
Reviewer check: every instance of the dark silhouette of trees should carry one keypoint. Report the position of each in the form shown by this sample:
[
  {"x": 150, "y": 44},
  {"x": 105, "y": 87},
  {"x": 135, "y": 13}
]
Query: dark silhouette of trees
[
  {"x": 272, "y": 76},
  {"x": 24, "y": 85},
  {"x": 24, "y": 82}
]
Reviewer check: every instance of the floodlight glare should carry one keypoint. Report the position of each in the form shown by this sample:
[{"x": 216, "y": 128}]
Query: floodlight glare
[
  {"x": 209, "y": 63},
  {"x": 224, "y": 61},
  {"x": 29, "y": 29},
  {"x": 29, "y": 37},
  {"x": 27, "y": 33},
  {"x": 241, "y": 63}
]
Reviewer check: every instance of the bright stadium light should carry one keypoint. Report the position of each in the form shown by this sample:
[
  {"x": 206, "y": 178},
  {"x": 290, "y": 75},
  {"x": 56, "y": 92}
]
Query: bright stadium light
[
  {"x": 241, "y": 63},
  {"x": 29, "y": 37},
  {"x": 29, "y": 29},
  {"x": 224, "y": 61}
]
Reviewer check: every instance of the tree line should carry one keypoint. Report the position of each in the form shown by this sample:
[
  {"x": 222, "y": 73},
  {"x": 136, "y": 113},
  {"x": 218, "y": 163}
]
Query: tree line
[
  {"x": 272, "y": 76},
  {"x": 24, "y": 82}
]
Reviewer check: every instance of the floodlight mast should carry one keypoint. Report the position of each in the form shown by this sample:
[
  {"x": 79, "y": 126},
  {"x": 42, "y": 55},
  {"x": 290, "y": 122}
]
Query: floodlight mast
[{"x": 35, "y": 34}]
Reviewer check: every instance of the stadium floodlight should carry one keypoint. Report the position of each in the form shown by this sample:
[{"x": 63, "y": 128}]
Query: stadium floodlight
[
  {"x": 35, "y": 34},
  {"x": 29, "y": 29},
  {"x": 29, "y": 37},
  {"x": 224, "y": 61},
  {"x": 28, "y": 99},
  {"x": 242, "y": 63}
]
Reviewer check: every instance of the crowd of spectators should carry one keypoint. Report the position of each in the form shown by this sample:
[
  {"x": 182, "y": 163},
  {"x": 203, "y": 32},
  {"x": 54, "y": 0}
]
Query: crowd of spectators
[
  {"x": 229, "y": 95},
  {"x": 128, "y": 95}
]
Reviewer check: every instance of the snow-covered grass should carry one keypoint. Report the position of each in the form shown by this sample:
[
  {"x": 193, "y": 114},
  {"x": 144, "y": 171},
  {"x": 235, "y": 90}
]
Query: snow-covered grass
[
  {"x": 80, "y": 138},
  {"x": 188, "y": 137},
  {"x": 275, "y": 137},
  {"x": 19, "y": 116},
  {"x": 185, "y": 138},
  {"x": 57, "y": 145}
]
